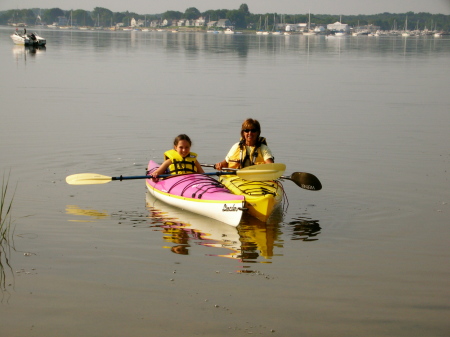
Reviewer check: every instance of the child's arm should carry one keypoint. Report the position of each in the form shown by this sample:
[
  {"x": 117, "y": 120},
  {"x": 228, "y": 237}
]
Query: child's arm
[
  {"x": 199, "y": 167},
  {"x": 162, "y": 168}
]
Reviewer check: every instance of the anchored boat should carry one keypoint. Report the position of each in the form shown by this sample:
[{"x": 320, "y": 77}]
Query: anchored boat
[{"x": 28, "y": 39}]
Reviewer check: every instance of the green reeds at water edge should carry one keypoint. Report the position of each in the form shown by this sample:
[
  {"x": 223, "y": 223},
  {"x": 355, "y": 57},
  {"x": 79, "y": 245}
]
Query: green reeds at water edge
[
  {"x": 5, "y": 213},
  {"x": 6, "y": 232}
]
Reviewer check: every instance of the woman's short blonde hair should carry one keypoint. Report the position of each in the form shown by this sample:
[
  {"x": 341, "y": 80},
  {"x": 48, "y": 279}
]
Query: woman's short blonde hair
[{"x": 250, "y": 123}]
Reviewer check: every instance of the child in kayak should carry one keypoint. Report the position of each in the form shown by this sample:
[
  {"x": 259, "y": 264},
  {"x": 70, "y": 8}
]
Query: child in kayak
[{"x": 179, "y": 160}]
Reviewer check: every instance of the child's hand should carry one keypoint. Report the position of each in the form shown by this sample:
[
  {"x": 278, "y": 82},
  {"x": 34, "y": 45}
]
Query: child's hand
[{"x": 154, "y": 175}]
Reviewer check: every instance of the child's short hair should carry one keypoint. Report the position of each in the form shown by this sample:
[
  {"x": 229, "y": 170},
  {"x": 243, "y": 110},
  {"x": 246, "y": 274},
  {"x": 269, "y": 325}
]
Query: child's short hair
[{"x": 182, "y": 137}]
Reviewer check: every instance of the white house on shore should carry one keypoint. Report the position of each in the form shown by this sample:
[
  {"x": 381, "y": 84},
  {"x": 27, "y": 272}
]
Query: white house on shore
[
  {"x": 338, "y": 27},
  {"x": 200, "y": 22},
  {"x": 224, "y": 23}
]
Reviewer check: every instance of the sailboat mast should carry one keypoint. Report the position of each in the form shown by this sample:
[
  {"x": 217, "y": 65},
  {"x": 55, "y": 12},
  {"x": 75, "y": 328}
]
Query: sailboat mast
[{"x": 309, "y": 20}]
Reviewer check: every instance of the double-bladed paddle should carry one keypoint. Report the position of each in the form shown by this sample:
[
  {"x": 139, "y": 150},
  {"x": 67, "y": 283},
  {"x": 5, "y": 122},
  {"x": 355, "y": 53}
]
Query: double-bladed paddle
[
  {"x": 307, "y": 181},
  {"x": 252, "y": 173}
]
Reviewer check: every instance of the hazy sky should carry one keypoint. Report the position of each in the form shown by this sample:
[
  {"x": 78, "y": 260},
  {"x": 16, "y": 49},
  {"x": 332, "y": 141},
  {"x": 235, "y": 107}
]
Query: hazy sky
[{"x": 344, "y": 7}]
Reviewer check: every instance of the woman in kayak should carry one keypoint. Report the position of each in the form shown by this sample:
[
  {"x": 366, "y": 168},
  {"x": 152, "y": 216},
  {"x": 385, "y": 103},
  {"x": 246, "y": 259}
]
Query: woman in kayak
[
  {"x": 250, "y": 150},
  {"x": 179, "y": 160}
]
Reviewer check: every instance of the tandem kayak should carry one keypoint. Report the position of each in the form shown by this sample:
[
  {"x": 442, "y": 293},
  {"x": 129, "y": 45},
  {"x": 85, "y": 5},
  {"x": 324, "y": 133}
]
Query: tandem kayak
[
  {"x": 261, "y": 197},
  {"x": 197, "y": 193}
]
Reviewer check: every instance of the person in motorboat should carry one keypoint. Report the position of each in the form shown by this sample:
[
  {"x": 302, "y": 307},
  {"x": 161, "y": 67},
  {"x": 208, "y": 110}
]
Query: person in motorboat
[
  {"x": 20, "y": 34},
  {"x": 179, "y": 160},
  {"x": 250, "y": 150}
]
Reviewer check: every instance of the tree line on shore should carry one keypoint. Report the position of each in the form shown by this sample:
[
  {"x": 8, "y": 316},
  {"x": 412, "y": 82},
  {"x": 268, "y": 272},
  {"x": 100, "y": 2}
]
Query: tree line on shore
[{"x": 241, "y": 18}]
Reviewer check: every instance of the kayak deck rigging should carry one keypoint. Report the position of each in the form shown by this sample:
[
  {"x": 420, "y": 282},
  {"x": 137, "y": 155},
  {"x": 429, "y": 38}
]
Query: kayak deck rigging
[{"x": 203, "y": 185}]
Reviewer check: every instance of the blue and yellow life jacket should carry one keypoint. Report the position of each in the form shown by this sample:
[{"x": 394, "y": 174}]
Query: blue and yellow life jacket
[{"x": 179, "y": 164}]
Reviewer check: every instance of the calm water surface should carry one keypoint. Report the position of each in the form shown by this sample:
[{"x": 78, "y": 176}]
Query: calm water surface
[{"x": 368, "y": 255}]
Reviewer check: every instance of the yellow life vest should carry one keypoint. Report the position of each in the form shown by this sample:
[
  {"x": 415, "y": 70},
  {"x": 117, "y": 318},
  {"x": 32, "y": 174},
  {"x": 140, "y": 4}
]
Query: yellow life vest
[
  {"x": 240, "y": 158},
  {"x": 179, "y": 164}
]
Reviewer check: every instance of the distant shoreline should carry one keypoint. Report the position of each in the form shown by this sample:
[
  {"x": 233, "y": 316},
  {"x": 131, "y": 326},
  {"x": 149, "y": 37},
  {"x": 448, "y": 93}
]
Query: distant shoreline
[{"x": 240, "y": 19}]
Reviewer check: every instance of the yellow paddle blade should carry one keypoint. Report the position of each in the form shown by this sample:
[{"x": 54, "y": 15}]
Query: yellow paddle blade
[
  {"x": 87, "y": 179},
  {"x": 262, "y": 172}
]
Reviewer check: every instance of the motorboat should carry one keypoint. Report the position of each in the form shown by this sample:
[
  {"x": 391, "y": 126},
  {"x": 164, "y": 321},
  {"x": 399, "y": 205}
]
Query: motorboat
[
  {"x": 37, "y": 40},
  {"x": 20, "y": 39}
]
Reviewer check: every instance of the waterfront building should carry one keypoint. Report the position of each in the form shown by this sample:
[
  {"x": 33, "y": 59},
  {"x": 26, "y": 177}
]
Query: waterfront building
[{"x": 338, "y": 27}]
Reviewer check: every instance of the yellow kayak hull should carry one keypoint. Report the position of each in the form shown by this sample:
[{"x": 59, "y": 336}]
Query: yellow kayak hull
[{"x": 261, "y": 197}]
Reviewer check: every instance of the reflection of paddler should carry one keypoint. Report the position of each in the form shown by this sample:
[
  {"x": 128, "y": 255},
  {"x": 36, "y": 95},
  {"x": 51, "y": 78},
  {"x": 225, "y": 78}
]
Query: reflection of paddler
[
  {"x": 259, "y": 236},
  {"x": 180, "y": 250},
  {"x": 179, "y": 233}
]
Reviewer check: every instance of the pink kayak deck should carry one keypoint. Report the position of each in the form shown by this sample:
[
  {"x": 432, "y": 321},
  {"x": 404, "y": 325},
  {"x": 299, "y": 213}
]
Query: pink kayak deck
[{"x": 192, "y": 186}]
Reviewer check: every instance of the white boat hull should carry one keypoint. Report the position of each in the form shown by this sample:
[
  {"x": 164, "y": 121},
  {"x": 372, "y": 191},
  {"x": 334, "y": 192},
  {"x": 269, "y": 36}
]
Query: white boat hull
[
  {"x": 229, "y": 212},
  {"x": 20, "y": 39}
]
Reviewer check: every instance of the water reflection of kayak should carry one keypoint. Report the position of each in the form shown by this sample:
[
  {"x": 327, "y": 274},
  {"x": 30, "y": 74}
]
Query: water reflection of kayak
[
  {"x": 182, "y": 227},
  {"x": 250, "y": 241}
]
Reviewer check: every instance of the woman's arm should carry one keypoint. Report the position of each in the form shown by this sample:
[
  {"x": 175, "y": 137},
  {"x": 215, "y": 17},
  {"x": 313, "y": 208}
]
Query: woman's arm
[
  {"x": 219, "y": 166},
  {"x": 267, "y": 154}
]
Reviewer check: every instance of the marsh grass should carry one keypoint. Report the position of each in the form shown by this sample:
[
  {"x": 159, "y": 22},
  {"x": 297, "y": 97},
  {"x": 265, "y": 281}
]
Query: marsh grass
[{"x": 6, "y": 231}]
